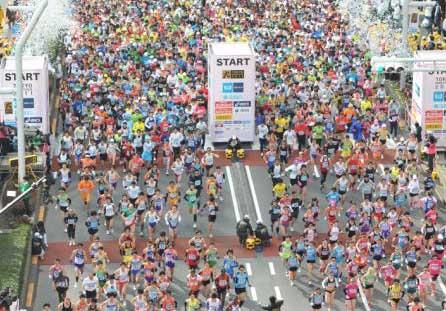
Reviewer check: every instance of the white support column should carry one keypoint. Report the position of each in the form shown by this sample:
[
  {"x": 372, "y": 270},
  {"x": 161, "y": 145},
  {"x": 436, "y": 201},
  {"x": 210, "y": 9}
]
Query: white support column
[{"x": 19, "y": 87}]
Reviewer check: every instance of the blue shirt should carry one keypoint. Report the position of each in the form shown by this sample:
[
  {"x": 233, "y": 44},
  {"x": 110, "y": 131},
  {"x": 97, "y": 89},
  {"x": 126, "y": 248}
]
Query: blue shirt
[
  {"x": 333, "y": 196},
  {"x": 229, "y": 265},
  {"x": 240, "y": 279},
  {"x": 311, "y": 253}
]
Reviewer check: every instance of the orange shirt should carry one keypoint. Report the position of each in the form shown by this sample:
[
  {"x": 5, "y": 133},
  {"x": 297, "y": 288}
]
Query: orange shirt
[
  {"x": 205, "y": 274},
  {"x": 349, "y": 112},
  {"x": 85, "y": 186},
  {"x": 88, "y": 162}
]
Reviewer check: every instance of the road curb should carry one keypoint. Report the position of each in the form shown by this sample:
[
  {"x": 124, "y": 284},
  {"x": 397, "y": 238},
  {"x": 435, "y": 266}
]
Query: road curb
[{"x": 31, "y": 273}]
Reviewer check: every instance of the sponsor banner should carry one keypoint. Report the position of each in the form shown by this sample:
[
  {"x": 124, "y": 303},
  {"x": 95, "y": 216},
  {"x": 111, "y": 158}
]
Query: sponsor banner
[
  {"x": 429, "y": 96},
  {"x": 231, "y": 72},
  {"x": 35, "y": 92}
]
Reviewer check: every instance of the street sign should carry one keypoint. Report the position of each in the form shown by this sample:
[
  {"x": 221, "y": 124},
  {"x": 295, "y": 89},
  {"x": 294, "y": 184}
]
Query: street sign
[{"x": 31, "y": 159}]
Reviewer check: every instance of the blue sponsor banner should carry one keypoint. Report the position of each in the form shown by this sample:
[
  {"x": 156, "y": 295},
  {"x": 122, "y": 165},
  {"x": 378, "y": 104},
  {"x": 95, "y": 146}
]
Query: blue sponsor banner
[
  {"x": 238, "y": 87},
  {"x": 28, "y": 103},
  {"x": 33, "y": 120},
  {"x": 239, "y": 104},
  {"x": 227, "y": 87},
  {"x": 439, "y": 96}
]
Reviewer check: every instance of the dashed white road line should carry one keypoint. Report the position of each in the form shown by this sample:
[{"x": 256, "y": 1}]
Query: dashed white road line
[
  {"x": 248, "y": 268},
  {"x": 316, "y": 172},
  {"x": 381, "y": 167},
  {"x": 253, "y": 193},
  {"x": 271, "y": 268},
  {"x": 277, "y": 292},
  {"x": 363, "y": 297},
  {"x": 232, "y": 190},
  {"x": 253, "y": 293},
  {"x": 442, "y": 286}
]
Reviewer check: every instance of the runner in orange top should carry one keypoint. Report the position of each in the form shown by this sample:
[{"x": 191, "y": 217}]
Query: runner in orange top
[
  {"x": 88, "y": 162},
  {"x": 85, "y": 188},
  {"x": 207, "y": 275}
]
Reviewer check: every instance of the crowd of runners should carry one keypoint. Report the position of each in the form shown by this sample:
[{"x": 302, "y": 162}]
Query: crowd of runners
[{"x": 133, "y": 105}]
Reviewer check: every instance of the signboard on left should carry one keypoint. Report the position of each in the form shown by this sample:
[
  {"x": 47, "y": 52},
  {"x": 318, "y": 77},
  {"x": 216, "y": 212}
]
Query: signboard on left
[{"x": 35, "y": 92}]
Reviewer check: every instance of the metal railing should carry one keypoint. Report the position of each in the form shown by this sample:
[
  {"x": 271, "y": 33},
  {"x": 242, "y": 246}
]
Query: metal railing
[{"x": 33, "y": 187}]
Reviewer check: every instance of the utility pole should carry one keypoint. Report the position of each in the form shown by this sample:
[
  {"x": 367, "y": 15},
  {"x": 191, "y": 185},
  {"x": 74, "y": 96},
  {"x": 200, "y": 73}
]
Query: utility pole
[{"x": 19, "y": 87}]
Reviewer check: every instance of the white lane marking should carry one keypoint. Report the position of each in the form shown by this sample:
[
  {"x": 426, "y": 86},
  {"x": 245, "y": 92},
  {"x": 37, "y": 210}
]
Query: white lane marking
[
  {"x": 277, "y": 292},
  {"x": 363, "y": 297},
  {"x": 381, "y": 167},
  {"x": 234, "y": 199},
  {"x": 248, "y": 268},
  {"x": 253, "y": 293},
  {"x": 316, "y": 172},
  {"x": 253, "y": 193},
  {"x": 271, "y": 268},
  {"x": 442, "y": 286}
]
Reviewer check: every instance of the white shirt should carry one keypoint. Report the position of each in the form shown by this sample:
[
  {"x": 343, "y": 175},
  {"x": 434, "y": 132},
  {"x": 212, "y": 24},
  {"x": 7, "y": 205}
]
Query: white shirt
[
  {"x": 109, "y": 209},
  {"x": 90, "y": 285},
  {"x": 133, "y": 191},
  {"x": 263, "y": 131},
  {"x": 290, "y": 136},
  {"x": 175, "y": 139}
]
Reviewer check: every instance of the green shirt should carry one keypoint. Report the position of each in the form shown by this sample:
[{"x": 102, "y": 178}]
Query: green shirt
[
  {"x": 318, "y": 132},
  {"x": 23, "y": 187}
]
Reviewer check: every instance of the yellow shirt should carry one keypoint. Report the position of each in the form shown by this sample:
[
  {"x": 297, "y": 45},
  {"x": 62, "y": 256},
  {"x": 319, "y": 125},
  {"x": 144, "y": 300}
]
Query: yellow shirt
[
  {"x": 138, "y": 126},
  {"x": 395, "y": 291},
  {"x": 366, "y": 104},
  {"x": 282, "y": 124},
  {"x": 192, "y": 304},
  {"x": 279, "y": 189}
]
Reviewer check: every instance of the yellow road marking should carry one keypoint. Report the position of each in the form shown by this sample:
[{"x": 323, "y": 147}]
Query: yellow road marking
[
  {"x": 57, "y": 103},
  {"x": 53, "y": 125},
  {"x": 29, "y": 295},
  {"x": 41, "y": 213}
]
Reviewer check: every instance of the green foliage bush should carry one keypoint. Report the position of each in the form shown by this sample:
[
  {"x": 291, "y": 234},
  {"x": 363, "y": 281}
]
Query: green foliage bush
[{"x": 14, "y": 249}]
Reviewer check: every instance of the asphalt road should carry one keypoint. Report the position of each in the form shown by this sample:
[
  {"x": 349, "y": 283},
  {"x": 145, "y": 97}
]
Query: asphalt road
[{"x": 250, "y": 196}]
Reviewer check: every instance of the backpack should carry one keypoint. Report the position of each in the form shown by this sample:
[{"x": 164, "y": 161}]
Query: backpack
[{"x": 36, "y": 245}]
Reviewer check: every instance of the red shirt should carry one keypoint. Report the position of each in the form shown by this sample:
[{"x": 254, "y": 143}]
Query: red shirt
[
  {"x": 192, "y": 256},
  {"x": 353, "y": 165},
  {"x": 432, "y": 215},
  {"x": 222, "y": 281},
  {"x": 168, "y": 303},
  {"x": 351, "y": 290},
  {"x": 431, "y": 149},
  {"x": 193, "y": 282},
  {"x": 435, "y": 266},
  {"x": 388, "y": 272},
  {"x": 301, "y": 129},
  {"x": 136, "y": 164}
]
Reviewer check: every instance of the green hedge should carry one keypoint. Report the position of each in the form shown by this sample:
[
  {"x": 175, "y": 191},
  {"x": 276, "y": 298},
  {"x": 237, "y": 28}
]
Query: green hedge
[{"x": 13, "y": 252}]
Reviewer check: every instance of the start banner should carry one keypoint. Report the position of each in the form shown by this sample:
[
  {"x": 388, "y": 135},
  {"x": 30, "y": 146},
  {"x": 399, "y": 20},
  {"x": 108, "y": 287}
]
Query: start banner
[
  {"x": 231, "y": 106},
  {"x": 35, "y": 92}
]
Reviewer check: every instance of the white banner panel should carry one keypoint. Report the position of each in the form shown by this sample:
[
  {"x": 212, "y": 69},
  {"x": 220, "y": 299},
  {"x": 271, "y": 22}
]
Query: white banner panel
[
  {"x": 35, "y": 92},
  {"x": 231, "y": 106},
  {"x": 429, "y": 96}
]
